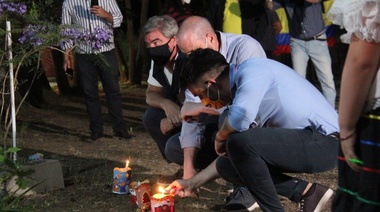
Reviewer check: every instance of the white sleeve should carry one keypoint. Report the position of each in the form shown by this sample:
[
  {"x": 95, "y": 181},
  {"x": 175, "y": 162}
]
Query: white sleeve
[
  {"x": 189, "y": 97},
  {"x": 151, "y": 80}
]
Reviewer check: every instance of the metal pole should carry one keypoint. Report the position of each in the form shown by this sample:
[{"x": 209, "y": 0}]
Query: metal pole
[{"x": 11, "y": 84}]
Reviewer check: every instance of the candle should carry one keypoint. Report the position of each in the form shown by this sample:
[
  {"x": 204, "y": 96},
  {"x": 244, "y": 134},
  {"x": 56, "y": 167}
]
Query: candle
[
  {"x": 162, "y": 202},
  {"x": 121, "y": 179}
]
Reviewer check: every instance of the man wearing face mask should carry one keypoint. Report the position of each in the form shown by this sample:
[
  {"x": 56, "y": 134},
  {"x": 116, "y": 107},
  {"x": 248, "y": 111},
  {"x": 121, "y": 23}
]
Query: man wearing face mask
[
  {"x": 162, "y": 118},
  {"x": 184, "y": 148}
]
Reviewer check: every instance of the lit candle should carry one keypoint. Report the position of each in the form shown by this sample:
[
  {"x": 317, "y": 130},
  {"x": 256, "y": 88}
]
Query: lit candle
[
  {"x": 162, "y": 202},
  {"x": 121, "y": 179}
]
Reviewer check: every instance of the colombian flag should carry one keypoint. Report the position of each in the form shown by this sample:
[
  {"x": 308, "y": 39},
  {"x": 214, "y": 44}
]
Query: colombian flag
[{"x": 283, "y": 38}]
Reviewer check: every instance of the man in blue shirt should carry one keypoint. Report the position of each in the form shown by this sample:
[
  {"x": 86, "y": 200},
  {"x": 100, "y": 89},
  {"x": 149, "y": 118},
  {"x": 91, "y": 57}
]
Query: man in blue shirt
[
  {"x": 276, "y": 123},
  {"x": 193, "y": 147}
]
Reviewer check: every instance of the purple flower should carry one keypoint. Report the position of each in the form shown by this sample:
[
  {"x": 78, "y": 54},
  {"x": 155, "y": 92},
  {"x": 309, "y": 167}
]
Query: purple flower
[
  {"x": 97, "y": 39},
  {"x": 30, "y": 35},
  {"x": 19, "y": 8}
]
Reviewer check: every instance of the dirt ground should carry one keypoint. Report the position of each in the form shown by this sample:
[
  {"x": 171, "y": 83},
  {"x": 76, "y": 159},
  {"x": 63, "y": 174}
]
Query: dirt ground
[{"x": 58, "y": 131}]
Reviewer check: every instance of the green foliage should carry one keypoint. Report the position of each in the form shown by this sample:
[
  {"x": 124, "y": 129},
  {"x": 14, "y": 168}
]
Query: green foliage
[
  {"x": 9, "y": 169},
  {"x": 25, "y": 54}
]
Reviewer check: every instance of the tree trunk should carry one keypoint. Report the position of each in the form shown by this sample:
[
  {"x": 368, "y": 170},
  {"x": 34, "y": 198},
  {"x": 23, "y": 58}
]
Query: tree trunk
[
  {"x": 142, "y": 58},
  {"x": 131, "y": 44}
]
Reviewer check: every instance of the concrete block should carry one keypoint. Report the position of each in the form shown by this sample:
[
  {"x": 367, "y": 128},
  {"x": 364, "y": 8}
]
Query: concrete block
[{"x": 48, "y": 173}]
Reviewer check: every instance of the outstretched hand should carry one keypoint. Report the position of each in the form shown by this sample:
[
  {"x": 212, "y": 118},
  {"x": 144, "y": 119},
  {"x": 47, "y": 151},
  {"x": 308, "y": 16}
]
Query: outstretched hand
[{"x": 181, "y": 188}]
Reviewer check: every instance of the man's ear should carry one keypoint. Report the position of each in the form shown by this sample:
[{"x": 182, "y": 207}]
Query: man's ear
[
  {"x": 174, "y": 38},
  {"x": 210, "y": 82},
  {"x": 210, "y": 37}
]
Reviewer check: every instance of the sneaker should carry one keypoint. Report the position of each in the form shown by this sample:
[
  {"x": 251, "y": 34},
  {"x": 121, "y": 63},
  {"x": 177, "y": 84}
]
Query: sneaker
[
  {"x": 318, "y": 197},
  {"x": 240, "y": 200}
]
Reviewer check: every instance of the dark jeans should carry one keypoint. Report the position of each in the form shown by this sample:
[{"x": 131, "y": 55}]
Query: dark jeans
[
  {"x": 259, "y": 157},
  {"x": 206, "y": 154},
  {"x": 152, "y": 121},
  {"x": 91, "y": 69}
]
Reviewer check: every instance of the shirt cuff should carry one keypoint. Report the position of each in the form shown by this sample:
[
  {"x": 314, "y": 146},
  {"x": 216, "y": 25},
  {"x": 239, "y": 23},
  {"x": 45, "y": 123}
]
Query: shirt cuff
[{"x": 192, "y": 134}]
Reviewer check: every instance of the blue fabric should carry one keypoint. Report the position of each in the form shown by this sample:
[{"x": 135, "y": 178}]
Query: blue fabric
[
  {"x": 267, "y": 93},
  {"x": 319, "y": 54},
  {"x": 152, "y": 122},
  {"x": 259, "y": 157},
  {"x": 313, "y": 22}
]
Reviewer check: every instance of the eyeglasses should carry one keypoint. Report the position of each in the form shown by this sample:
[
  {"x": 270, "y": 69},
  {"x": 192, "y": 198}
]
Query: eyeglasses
[{"x": 208, "y": 92}]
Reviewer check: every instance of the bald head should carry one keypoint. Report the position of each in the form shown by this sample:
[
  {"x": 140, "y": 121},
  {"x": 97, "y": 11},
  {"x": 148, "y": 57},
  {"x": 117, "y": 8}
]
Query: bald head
[{"x": 196, "y": 32}]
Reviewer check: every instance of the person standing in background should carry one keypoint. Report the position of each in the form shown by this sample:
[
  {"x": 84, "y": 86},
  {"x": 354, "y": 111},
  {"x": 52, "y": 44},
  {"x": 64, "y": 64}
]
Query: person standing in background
[
  {"x": 309, "y": 41},
  {"x": 107, "y": 15},
  {"x": 359, "y": 106},
  {"x": 179, "y": 10},
  {"x": 255, "y": 18}
]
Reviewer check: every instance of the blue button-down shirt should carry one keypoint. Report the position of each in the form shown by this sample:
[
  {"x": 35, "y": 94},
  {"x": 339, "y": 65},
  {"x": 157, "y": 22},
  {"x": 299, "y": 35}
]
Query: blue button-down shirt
[
  {"x": 236, "y": 49},
  {"x": 267, "y": 93}
]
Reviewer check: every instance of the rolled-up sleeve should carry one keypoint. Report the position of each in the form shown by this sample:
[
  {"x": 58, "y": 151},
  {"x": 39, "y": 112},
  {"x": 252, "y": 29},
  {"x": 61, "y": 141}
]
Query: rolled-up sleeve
[
  {"x": 192, "y": 134},
  {"x": 65, "y": 21},
  {"x": 116, "y": 14}
]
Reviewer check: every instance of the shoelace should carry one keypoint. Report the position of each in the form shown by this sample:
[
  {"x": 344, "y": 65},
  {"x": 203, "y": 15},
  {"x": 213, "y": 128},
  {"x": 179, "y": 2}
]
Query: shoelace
[{"x": 302, "y": 205}]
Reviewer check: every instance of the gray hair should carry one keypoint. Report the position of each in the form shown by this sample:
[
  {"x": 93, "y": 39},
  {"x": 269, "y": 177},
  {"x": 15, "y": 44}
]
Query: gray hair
[{"x": 165, "y": 24}]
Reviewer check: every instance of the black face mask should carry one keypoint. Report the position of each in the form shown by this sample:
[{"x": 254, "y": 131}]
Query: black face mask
[{"x": 160, "y": 54}]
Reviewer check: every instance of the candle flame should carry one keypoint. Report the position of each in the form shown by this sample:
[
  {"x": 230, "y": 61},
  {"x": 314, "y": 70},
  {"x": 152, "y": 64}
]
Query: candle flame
[
  {"x": 127, "y": 164},
  {"x": 162, "y": 190}
]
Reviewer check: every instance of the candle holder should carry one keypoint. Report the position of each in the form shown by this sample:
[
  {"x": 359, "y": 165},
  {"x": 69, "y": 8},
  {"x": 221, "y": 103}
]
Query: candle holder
[
  {"x": 121, "y": 179},
  {"x": 141, "y": 192}
]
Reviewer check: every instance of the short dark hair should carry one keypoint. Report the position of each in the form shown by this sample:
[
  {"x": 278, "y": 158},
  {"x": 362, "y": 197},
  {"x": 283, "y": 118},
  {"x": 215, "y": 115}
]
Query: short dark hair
[{"x": 198, "y": 63}]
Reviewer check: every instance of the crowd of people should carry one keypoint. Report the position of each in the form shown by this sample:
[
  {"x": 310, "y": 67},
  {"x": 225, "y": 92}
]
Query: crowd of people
[{"x": 219, "y": 106}]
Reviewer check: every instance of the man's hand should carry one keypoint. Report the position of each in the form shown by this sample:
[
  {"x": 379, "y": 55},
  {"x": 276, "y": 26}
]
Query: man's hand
[
  {"x": 181, "y": 188},
  {"x": 220, "y": 148},
  {"x": 101, "y": 13},
  {"x": 191, "y": 110},
  {"x": 172, "y": 113},
  {"x": 348, "y": 149},
  {"x": 66, "y": 60},
  {"x": 166, "y": 126}
]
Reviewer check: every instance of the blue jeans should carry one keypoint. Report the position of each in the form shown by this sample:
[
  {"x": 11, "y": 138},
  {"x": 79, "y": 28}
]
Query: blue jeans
[
  {"x": 90, "y": 72},
  {"x": 152, "y": 121},
  {"x": 319, "y": 54},
  {"x": 259, "y": 157},
  {"x": 206, "y": 154}
]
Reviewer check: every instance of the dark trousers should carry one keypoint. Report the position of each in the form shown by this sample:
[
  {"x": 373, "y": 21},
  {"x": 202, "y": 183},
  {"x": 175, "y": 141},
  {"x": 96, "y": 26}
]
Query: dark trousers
[
  {"x": 92, "y": 68},
  {"x": 152, "y": 121},
  {"x": 259, "y": 157},
  {"x": 206, "y": 154}
]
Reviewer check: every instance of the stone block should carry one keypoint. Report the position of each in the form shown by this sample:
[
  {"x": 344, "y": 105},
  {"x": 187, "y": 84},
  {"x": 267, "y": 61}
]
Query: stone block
[{"x": 47, "y": 176}]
